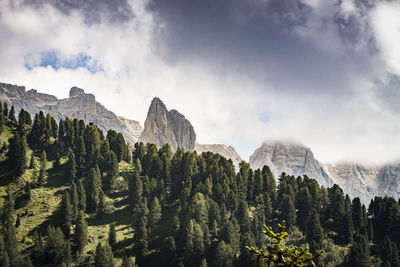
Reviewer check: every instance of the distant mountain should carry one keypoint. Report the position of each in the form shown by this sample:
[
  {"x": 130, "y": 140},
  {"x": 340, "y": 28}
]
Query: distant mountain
[
  {"x": 355, "y": 179},
  {"x": 78, "y": 105},
  {"x": 291, "y": 158},
  {"x": 163, "y": 126}
]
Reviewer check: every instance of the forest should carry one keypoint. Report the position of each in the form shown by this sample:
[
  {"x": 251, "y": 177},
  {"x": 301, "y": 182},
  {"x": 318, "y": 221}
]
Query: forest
[{"x": 72, "y": 196}]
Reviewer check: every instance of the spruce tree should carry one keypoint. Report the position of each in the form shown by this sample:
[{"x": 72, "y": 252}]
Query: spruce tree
[
  {"x": 94, "y": 189},
  {"x": 17, "y": 154},
  {"x": 32, "y": 163},
  {"x": 5, "y": 109},
  {"x": 70, "y": 171},
  {"x": 104, "y": 256},
  {"x": 359, "y": 252},
  {"x": 112, "y": 236},
  {"x": 81, "y": 196},
  {"x": 66, "y": 211},
  {"x": 11, "y": 115},
  {"x": 74, "y": 201},
  {"x": 43, "y": 168},
  {"x": 4, "y": 260},
  {"x": 80, "y": 235}
]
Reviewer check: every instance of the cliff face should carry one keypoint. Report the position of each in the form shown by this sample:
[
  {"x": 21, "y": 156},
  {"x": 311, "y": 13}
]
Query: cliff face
[
  {"x": 355, "y": 179},
  {"x": 78, "y": 105},
  {"x": 163, "y": 126},
  {"x": 291, "y": 158}
]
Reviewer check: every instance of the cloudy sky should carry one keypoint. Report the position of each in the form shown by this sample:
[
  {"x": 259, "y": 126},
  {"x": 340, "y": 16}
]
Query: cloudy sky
[{"x": 324, "y": 73}]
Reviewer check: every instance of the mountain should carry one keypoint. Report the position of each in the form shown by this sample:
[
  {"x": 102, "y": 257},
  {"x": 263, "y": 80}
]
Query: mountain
[
  {"x": 163, "y": 126},
  {"x": 356, "y": 180},
  {"x": 226, "y": 151},
  {"x": 78, "y": 105},
  {"x": 291, "y": 158}
]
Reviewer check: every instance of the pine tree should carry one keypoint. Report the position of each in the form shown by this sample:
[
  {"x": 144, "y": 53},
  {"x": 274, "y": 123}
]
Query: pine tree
[
  {"x": 43, "y": 168},
  {"x": 5, "y": 109},
  {"x": 81, "y": 230},
  {"x": 359, "y": 252},
  {"x": 32, "y": 163},
  {"x": 66, "y": 211},
  {"x": 9, "y": 232},
  {"x": 17, "y": 154},
  {"x": 154, "y": 216},
  {"x": 104, "y": 256},
  {"x": 81, "y": 196},
  {"x": 94, "y": 189},
  {"x": 389, "y": 253},
  {"x": 112, "y": 236},
  {"x": 314, "y": 231},
  {"x": 70, "y": 171},
  {"x": 11, "y": 115},
  {"x": 74, "y": 201}
]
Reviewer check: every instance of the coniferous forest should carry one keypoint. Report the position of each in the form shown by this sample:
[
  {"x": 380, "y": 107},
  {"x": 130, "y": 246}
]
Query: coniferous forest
[{"x": 72, "y": 195}]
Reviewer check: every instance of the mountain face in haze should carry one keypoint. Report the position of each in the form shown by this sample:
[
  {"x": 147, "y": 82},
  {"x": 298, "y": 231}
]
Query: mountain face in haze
[
  {"x": 291, "y": 158},
  {"x": 78, "y": 105},
  {"x": 163, "y": 126},
  {"x": 356, "y": 180}
]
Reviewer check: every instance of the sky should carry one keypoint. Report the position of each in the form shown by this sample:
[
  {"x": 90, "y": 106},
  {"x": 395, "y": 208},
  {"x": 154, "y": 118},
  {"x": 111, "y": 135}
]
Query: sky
[{"x": 323, "y": 73}]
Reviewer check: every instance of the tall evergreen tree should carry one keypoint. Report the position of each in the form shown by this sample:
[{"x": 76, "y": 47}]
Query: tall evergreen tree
[
  {"x": 80, "y": 235},
  {"x": 104, "y": 256},
  {"x": 81, "y": 196},
  {"x": 43, "y": 168},
  {"x": 17, "y": 154},
  {"x": 93, "y": 189},
  {"x": 70, "y": 170},
  {"x": 112, "y": 236},
  {"x": 11, "y": 115},
  {"x": 359, "y": 253},
  {"x": 66, "y": 211}
]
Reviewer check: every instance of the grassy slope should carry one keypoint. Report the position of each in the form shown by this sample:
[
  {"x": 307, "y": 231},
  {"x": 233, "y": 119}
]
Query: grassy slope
[{"x": 42, "y": 210}]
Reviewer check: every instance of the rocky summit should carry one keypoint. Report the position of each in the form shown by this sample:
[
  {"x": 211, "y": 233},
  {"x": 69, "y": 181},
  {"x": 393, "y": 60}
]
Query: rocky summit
[
  {"x": 163, "y": 126},
  {"x": 78, "y": 105},
  {"x": 356, "y": 180}
]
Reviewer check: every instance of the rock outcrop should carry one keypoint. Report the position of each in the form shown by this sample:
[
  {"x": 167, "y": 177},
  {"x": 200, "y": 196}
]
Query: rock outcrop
[
  {"x": 356, "y": 180},
  {"x": 163, "y": 126},
  {"x": 78, "y": 105},
  {"x": 291, "y": 158},
  {"x": 226, "y": 151}
]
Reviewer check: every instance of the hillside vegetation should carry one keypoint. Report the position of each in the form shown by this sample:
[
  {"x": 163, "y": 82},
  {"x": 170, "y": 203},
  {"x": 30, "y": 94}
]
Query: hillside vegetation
[{"x": 72, "y": 196}]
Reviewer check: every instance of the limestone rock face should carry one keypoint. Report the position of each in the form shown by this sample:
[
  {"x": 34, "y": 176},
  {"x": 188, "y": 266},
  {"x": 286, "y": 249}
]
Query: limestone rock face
[
  {"x": 291, "y": 158},
  {"x": 163, "y": 126},
  {"x": 79, "y": 105},
  {"x": 226, "y": 151},
  {"x": 356, "y": 180}
]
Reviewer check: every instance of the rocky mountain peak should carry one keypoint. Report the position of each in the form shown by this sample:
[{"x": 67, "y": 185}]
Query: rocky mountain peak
[
  {"x": 163, "y": 126},
  {"x": 290, "y": 157},
  {"x": 76, "y": 91}
]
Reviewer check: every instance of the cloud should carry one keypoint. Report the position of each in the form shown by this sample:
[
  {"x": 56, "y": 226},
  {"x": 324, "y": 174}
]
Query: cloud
[{"x": 241, "y": 71}]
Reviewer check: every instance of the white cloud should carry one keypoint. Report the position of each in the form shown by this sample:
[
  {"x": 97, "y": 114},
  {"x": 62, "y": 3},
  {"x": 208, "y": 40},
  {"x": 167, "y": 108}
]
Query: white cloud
[
  {"x": 226, "y": 107},
  {"x": 386, "y": 25}
]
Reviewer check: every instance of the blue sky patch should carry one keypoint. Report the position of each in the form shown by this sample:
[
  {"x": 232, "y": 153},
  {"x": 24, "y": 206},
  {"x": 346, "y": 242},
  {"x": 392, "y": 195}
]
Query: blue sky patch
[{"x": 56, "y": 61}]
